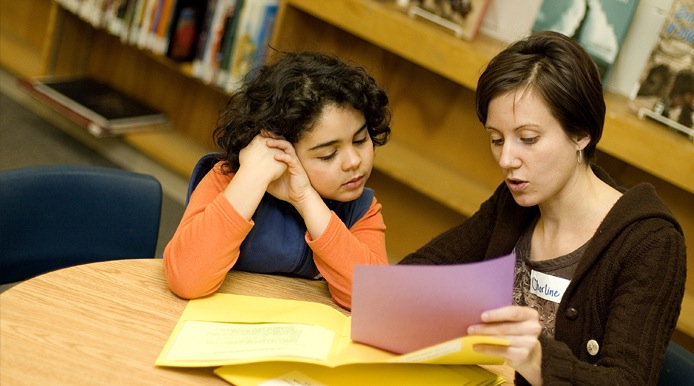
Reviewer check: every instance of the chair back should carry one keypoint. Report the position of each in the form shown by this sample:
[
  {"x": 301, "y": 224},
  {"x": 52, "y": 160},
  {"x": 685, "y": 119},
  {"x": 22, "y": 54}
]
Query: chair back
[
  {"x": 204, "y": 165},
  {"x": 678, "y": 367},
  {"x": 57, "y": 216}
]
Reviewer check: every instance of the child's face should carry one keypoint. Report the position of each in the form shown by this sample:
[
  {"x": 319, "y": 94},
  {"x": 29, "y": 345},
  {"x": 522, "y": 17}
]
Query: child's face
[{"x": 337, "y": 153}]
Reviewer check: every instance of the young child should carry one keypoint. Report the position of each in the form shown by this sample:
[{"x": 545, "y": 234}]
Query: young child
[{"x": 288, "y": 195}]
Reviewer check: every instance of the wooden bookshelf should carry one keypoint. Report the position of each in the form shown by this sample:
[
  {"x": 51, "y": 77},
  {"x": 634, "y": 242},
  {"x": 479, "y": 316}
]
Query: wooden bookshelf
[{"x": 437, "y": 168}]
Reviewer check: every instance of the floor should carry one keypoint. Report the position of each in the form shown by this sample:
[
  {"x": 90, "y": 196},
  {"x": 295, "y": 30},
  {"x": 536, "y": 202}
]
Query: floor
[{"x": 32, "y": 134}]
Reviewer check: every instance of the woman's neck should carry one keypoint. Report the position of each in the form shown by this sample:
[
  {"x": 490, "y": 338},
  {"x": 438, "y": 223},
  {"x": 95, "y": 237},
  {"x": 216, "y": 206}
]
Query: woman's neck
[{"x": 571, "y": 219}]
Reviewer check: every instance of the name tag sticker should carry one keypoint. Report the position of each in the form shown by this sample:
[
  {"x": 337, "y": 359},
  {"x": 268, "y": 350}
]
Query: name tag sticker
[{"x": 548, "y": 287}]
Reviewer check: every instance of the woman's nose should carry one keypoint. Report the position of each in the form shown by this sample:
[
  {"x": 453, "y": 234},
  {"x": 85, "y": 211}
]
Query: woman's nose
[{"x": 508, "y": 158}]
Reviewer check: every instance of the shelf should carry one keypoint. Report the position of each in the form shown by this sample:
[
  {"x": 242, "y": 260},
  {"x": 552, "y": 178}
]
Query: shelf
[
  {"x": 448, "y": 186},
  {"x": 647, "y": 145},
  {"x": 437, "y": 50},
  {"x": 384, "y": 25}
]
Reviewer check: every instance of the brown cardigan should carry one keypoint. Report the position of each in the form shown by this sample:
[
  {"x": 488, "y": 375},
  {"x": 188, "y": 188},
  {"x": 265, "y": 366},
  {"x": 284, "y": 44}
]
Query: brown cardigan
[{"x": 625, "y": 295}]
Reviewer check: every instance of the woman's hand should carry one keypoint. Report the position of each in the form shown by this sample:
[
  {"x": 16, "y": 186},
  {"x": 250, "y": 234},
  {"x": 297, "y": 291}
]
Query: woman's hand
[{"x": 520, "y": 326}]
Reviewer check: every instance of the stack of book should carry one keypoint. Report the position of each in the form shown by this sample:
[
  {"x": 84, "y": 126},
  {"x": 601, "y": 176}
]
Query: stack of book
[{"x": 224, "y": 39}]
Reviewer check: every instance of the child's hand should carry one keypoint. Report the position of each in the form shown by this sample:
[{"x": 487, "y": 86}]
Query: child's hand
[
  {"x": 259, "y": 160},
  {"x": 293, "y": 185}
]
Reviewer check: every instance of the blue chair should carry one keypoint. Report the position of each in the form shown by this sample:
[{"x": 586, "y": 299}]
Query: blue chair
[
  {"x": 678, "y": 367},
  {"x": 58, "y": 216},
  {"x": 204, "y": 165}
]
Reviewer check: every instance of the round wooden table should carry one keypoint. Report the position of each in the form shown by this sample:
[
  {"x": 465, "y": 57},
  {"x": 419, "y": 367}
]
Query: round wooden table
[{"x": 106, "y": 323}]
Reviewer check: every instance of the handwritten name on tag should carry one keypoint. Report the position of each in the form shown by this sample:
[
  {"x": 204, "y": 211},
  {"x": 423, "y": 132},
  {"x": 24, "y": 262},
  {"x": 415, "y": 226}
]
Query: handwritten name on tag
[{"x": 548, "y": 287}]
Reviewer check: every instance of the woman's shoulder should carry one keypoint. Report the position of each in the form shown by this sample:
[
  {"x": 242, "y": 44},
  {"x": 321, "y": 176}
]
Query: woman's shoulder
[{"x": 641, "y": 203}]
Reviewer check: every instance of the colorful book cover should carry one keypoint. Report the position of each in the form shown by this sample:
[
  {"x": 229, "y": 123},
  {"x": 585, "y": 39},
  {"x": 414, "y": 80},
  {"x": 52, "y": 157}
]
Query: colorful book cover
[
  {"x": 600, "y": 26},
  {"x": 665, "y": 91},
  {"x": 185, "y": 29},
  {"x": 463, "y": 17},
  {"x": 255, "y": 16}
]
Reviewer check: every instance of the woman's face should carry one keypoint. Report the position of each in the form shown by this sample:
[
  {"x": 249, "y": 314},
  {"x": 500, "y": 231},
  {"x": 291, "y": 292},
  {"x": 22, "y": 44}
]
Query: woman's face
[
  {"x": 537, "y": 158},
  {"x": 337, "y": 153}
]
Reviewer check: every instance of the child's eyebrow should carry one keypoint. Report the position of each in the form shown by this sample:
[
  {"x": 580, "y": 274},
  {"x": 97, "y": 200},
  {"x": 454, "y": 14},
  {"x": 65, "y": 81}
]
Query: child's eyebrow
[{"x": 330, "y": 143}]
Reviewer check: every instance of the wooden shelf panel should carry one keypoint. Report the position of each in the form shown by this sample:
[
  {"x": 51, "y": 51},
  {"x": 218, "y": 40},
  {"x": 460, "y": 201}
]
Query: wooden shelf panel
[
  {"x": 25, "y": 28},
  {"x": 171, "y": 149},
  {"x": 438, "y": 181}
]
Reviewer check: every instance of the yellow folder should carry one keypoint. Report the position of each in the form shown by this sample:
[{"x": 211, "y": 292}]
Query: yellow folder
[{"x": 226, "y": 329}]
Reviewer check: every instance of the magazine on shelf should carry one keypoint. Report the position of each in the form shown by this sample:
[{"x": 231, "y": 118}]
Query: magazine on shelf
[
  {"x": 665, "y": 91},
  {"x": 463, "y": 17},
  {"x": 102, "y": 109},
  {"x": 600, "y": 26}
]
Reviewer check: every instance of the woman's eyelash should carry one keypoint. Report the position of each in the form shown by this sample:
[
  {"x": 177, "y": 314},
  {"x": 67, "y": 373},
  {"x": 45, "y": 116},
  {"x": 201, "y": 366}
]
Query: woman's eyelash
[{"x": 530, "y": 140}]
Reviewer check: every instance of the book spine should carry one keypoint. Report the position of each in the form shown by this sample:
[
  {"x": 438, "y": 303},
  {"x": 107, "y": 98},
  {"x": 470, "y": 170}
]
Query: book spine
[
  {"x": 214, "y": 42},
  {"x": 203, "y": 37},
  {"x": 228, "y": 44},
  {"x": 185, "y": 30}
]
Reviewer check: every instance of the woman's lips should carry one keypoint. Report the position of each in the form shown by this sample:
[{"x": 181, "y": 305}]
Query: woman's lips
[{"x": 516, "y": 185}]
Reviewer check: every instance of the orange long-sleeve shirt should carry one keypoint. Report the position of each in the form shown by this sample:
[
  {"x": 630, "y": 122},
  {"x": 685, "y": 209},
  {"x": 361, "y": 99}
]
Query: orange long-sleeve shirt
[{"x": 207, "y": 242}]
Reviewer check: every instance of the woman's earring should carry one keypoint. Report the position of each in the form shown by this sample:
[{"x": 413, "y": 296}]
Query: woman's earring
[{"x": 580, "y": 157}]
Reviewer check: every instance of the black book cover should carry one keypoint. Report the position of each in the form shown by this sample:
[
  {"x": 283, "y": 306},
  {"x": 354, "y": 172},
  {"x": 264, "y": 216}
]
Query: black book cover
[{"x": 108, "y": 110}]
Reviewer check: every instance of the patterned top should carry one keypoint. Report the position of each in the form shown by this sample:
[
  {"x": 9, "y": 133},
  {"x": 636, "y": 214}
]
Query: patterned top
[{"x": 562, "y": 266}]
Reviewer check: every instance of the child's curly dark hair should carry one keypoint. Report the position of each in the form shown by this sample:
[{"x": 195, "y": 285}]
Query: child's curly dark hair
[{"x": 288, "y": 96}]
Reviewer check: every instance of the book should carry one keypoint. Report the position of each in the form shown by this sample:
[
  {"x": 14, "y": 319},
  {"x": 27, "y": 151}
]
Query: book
[
  {"x": 213, "y": 42},
  {"x": 509, "y": 20},
  {"x": 256, "y": 19},
  {"x": 158, "y": 40},
  {"x": 102, "y": 109},
  {"x": 394, "y": 309},
  {"x": 259, "y": 335},
  {"x": 600, "y": 26},
  {"x": 462, "y": 17},
  {"x": 186, "y": 25},
  {"x": 665, "y": 91},
  {"x": 203, "y": 38},
  {"x": 231, "y": 23}
]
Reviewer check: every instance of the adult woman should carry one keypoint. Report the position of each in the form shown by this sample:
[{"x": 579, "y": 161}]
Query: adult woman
[{"x": 605, "y": 249}]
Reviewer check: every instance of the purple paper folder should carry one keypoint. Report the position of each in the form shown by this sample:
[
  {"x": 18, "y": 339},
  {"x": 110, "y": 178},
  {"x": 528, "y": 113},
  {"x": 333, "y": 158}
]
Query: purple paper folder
[{"x": 403, "y": 308}]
